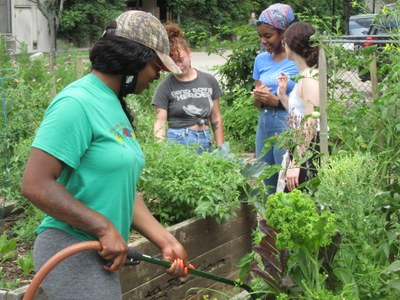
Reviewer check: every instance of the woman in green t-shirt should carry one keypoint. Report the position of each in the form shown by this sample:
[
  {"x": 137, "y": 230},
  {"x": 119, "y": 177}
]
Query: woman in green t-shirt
[{"x": 85, "y": 163}]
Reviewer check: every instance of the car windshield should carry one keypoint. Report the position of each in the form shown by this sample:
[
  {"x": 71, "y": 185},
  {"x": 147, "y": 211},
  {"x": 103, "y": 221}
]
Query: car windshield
[{"x": 359, "y": 24}]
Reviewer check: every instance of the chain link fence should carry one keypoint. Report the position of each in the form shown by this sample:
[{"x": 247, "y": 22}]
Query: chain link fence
[
  {"x": 358, "y": 65},
  {"x": 349, "y": 72}
]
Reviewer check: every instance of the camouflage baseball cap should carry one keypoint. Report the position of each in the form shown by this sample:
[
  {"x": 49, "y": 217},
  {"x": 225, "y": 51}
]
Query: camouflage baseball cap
[{"x": 145, "y": 29}]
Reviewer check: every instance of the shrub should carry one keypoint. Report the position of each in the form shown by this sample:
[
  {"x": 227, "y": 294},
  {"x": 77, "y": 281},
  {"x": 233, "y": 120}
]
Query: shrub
[
  {"x": 238, "y": 70},
  {"x": 240, "y": 119},
  {"x": 368, "y": 232},
  {"x": 178, "y": 184}
]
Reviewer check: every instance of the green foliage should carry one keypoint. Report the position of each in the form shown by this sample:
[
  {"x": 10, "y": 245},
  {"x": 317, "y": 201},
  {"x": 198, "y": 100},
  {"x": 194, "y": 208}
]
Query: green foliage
[
  {"x": 205, "y": 296},
  {"x": 5, "y": 59},
  {"x": 321, "y": 21},
  {"x": 297, "y": 221},
  {"x": 359, "y": 185},
  {"x": 5, "y": 283},
  {"x": 271, "y": 269},
  {"x": 83, "y": 22},
  {"x": 7, "y": 248},
  {"x": 140, "y": 104},
  {"x": 214, "y": 13},
  {"x": 143, "y": 111},
  {"x": 238, "y": 69},
  {"x": 349, "y": 188},
  {"x": 26, "y": 97},
  {"x": 357, "y": 127},
  {"x": 66, "y": 67},
  {"x": 198, "y": 33},
  {"x": 25, "y": 228},
  {"x": 361, "y": 188},
  {"x": 240, "y": 119},
  {"x": 26, "y": 264},
  {"x": 290, "y": 246},
  {"x": 179, "y": 184}
]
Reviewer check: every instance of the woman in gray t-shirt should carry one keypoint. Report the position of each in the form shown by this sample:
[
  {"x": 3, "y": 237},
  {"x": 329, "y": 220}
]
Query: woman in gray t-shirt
[{"x": 186, "y": 104}]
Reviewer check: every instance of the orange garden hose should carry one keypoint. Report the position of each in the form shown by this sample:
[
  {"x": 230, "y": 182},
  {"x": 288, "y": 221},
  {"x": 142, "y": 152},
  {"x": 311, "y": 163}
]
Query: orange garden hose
[
  {"x": 134, "y": 257},
  {"x": 54, "y": 261}
]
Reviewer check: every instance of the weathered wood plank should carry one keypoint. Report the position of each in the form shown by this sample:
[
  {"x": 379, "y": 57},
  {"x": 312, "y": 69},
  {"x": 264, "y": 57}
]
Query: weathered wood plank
[
  {"x": 212, "y": 247},
  {"x": 221, "y": 261},
  {"x": 197, "y": 235}
]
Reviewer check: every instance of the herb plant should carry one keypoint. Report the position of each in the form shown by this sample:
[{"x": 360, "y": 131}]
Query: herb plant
[
  {"x": 26, "y": 264},
  {"x": 303, "y": 230},
  {"x": 178, "y": 184},
  {"x": 7, "y": 248}
]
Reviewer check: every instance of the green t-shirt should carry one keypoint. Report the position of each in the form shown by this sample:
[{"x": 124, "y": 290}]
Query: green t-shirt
[{"x": 86, "y": 128}]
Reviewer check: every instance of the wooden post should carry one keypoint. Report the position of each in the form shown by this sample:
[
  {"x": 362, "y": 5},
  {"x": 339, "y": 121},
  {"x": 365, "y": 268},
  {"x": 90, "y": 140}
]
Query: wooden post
[
  {"x": 374, "y": 77},
  {"x": 375, "y": 95},
  {"x": 323, "y": 96},
  {"x": 52, "y": 63},
  {"x": 79, "y": 67}
]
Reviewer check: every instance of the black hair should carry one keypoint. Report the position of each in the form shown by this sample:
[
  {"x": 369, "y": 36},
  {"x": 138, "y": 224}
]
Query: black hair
[{"x": 116, "y": 55}]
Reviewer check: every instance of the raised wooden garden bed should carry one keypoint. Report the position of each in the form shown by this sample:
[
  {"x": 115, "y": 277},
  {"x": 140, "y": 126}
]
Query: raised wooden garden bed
[{"x": 212, "y": 247}]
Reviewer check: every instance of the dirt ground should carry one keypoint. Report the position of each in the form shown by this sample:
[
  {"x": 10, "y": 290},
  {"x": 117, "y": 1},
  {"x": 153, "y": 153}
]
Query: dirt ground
[{"x": 10, "y": 270}]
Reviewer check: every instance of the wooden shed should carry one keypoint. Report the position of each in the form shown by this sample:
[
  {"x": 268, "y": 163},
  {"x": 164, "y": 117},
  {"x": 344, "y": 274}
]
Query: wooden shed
[{"x": 21, "y": 22}]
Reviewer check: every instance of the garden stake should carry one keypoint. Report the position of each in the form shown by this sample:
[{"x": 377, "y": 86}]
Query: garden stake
[{"x": 134, "y": 257}]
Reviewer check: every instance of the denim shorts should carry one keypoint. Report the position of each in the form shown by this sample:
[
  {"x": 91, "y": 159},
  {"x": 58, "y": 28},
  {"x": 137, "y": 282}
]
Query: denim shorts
[{"x": 200, "y": 139}]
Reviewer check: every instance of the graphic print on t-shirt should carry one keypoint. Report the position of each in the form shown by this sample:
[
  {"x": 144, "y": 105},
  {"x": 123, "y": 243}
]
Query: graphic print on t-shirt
[
  {"x": 121, "y": 130},
  {"x": 187, "y": 102},
  {"x": 196, "y": 102}
]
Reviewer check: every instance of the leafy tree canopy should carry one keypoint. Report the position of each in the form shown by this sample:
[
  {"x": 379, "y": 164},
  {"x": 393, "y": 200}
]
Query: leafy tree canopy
[{"x": 83, "y": 21}]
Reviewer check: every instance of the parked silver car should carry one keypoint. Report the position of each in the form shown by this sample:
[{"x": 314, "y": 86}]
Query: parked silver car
[{"x": 359, "y": 24}]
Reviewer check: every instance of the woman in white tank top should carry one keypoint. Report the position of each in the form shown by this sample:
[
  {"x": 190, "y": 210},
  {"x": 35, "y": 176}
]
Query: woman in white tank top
[{"x": 303, "y": 102}]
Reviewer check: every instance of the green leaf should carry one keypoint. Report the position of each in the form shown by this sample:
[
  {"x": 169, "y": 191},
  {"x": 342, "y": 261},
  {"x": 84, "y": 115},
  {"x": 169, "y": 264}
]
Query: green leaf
[
  {"x": 254, "y": 170},
  {"x": 26, "y": 264},
  {"x": 394, "y": 284},
  {"x": 344, "y": 275},
  {"x": 394, "y": 267},
  {"x": 7, "y": 248}
]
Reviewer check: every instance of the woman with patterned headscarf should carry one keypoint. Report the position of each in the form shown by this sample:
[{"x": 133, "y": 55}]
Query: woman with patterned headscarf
[{"x": 268, "y": 65}]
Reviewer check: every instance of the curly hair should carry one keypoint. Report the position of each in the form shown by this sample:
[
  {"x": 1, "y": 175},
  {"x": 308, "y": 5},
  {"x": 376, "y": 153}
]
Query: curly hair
[
  {"x": 177, "y": 40},
  {"x": 119, "y": 56},
  {"x": 297, "y": 37}
]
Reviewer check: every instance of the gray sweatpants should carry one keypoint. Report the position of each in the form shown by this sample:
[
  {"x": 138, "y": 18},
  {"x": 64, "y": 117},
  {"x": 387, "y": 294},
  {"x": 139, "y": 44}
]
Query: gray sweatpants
[{"x": 80, "y": 276}]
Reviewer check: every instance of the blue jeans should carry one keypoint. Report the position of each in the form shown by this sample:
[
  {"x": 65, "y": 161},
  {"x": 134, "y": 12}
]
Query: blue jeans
[
  {"x": 271, "y": 122},
  {"x": 201, "y": 139}
]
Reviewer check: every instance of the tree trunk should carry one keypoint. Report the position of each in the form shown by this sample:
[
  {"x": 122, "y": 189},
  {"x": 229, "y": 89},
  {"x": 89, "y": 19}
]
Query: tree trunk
[{"x": 347, "y": 7}]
